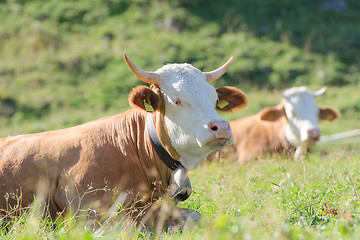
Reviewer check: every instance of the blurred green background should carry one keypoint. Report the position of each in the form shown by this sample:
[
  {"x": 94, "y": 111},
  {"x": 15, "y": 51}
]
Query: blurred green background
[{"x": 61, "y": 62}]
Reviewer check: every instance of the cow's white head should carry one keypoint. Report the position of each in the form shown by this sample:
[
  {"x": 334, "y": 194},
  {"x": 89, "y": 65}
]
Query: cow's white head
[
  {"x": 190, "y": 103},
  {"x": 302, "y": 113}
]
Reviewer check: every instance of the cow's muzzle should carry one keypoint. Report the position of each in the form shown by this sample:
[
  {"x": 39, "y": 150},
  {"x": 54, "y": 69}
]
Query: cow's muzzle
[
  {"x": 313, "y": 136},
  {"x": 220, "y": 129},
  {"x": 219, "y": 143},
  {"x": 221, "y": 133}
]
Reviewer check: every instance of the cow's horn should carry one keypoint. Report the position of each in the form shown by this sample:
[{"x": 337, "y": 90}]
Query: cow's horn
[
  {"x": 319, "y": 92},
  {"x": 145, "y": 76},
  {"x": 213, "y": 75}
]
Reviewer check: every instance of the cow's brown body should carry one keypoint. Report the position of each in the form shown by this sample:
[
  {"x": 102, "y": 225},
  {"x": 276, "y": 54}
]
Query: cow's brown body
[
  {"x": 110, "y": 164},
  {"x": 110, "y": 153},
  {"x": 254, "y": 137}
]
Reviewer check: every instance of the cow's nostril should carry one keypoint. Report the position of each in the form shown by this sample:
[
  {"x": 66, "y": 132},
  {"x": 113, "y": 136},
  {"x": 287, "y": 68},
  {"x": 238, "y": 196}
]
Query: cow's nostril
[
  {"x": 214, "y": 128},
  {"x": 220, "y": 130},
  {"x": 314, "y": 133},
  {"x": 219, "y": 126}
]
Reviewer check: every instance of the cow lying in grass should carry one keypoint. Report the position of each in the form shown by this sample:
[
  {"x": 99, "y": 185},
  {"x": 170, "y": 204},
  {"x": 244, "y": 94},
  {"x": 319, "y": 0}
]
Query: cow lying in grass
[
  {"x": 127, "y": 161},
  {"x": 293, "y": 124}
]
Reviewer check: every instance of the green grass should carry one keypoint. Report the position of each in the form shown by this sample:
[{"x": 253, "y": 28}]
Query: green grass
[{"x": 276, "y": 197}]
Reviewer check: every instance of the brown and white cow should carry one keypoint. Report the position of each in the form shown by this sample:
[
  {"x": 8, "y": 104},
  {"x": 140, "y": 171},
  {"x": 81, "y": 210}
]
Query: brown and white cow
[
  {"x": 293, "y": 124},
  {"x": 111, "y": 160}
]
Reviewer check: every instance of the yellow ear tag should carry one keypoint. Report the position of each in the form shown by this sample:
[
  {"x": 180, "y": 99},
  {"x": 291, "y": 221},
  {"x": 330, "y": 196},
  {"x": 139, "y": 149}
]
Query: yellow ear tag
[
  {"x": 222, "y": 103},
  {"x": 148, "y": 107}
]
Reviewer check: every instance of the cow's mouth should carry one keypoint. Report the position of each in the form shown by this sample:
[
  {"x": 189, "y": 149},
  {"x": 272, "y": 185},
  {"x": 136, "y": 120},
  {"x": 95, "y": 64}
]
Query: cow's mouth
[
  {"x": 311, "y": 142},
  {"x": 218, "y": 143}
]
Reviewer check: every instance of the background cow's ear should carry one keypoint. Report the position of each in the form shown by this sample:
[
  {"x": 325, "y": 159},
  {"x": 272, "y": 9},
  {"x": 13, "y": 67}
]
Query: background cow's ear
[
  {"x": 230, "y": 98},
  {"x": 328, "y": 114},
  {"x": 272, "y": 113},
  {"x": 144, "y": 98}
]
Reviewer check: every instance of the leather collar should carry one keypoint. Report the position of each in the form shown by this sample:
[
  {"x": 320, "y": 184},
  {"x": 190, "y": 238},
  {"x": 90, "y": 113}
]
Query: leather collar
[{"x": 169, "y": 161}]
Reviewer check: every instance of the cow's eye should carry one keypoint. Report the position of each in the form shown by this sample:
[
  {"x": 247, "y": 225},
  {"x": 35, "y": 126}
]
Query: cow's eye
[{"x": 177, "y": 102}]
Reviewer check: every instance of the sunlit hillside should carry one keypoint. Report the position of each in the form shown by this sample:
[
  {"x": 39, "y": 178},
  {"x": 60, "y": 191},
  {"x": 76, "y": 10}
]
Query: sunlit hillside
[{"x": 61, "y": 61}]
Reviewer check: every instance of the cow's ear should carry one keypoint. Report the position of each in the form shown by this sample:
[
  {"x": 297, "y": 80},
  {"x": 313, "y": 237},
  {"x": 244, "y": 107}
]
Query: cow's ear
[
  {"x": 230, "y": 98},
  {"x": 145, "y": 98},
  {"x": 272, "y": 113},
  {"x": 328, "y": 114}
]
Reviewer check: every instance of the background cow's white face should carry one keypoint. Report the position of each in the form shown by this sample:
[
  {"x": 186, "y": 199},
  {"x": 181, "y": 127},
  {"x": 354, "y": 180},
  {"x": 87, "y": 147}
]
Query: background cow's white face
[
  {"x": 194, "y": 126},
  {"x": 302, "y": 113}
]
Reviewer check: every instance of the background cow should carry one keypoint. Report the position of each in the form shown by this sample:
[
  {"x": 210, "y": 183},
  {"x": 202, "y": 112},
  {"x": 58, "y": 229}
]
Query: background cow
[
  {"x": 111, "y": 160},
  {"x": 293, "y": 124}
]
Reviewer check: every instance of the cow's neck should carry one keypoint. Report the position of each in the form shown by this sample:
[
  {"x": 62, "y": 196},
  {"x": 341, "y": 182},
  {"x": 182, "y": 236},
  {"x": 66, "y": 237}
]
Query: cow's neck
[
  {"x": 158, "y": 145},
  {"x": 163, "y": 133},
  {"x": 129, "y": 136},
  {"x": 180, "y": 185},
  {"x": 295, "y": 142},
  {"x": 289, "y": 134}
]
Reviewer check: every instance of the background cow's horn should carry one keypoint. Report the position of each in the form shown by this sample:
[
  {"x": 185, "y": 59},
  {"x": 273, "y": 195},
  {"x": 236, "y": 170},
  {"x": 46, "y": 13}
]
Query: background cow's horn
[
  {"x": 148, "y": 77},
  {"x": 319, "y": 92},
  {"x": 213, "y": 75}
]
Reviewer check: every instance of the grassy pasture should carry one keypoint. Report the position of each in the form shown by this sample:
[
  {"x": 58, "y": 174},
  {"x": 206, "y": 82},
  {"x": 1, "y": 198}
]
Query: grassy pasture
[
  {"x": 279, "y": 199},
  {"x": 61, "y": 65},
  {"x": 314, "y": 198}
]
